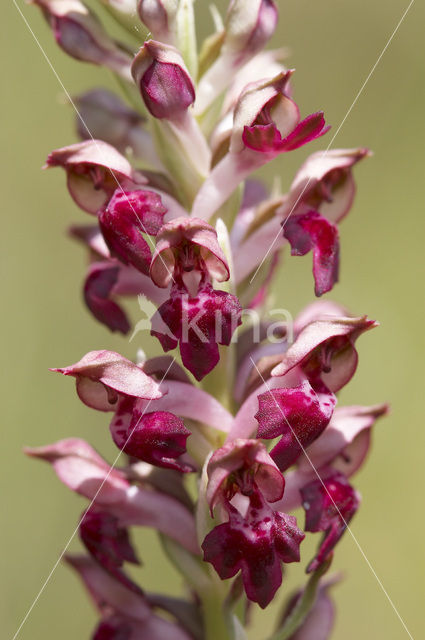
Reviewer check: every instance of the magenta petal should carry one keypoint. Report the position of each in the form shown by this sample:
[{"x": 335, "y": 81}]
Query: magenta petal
[
  {"x": 312, "y": 231},
  {"x": 298, "y": 414},
  {"x": 239, "y": 464},
  {"x": 98, "y": 285},
  {"x": 255, "y": 545},
  {"x": 91, "y": 237},
  {"x": 186, "y": 244},
  {"x": 312, "y": 127},
  {"x": 163, "y": 80},
  {"x": 325, "y": 348},
  {"x": 108, "y": 594},
  {"x": 329, "y": 506},
  {"x": 264, "y": 138},
  {"x": 94, "y": 170},
  {"x": 200, "y": 357},
  {"x": 146, "y": 206},
  {"x": 113, "y": 628},
  {"x": 128, "y": 215},
  {"x": 325, "y": 183},
  {"x": 346, "y": 440},
  {"x": 199, "y": 324},
  {"x": 104, "y": 375},
  {"x": 122, "y": 610},
  {"x": 157, "y": 437},
  {"x": 84, "y": 471},
  {"x": 167, "y": 90},
  {"x": 188, "y": 401},
  {"x": 108, "y": 543}
]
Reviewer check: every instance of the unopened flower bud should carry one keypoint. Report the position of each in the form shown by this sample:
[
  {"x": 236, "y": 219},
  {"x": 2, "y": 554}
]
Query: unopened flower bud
[
  {"x": 249, "y": 26},
  {"x": 79, "y": 33},
  {"x": 163, "y": 80},
  {"x": 159, "y": 17},
  {"x": 105, "y": 117}
]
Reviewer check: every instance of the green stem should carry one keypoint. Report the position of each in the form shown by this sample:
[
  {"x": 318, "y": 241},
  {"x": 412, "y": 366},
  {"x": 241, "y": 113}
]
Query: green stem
[
  {"x": 217, "y": 622},
  {"x": 303, "y": 606}
]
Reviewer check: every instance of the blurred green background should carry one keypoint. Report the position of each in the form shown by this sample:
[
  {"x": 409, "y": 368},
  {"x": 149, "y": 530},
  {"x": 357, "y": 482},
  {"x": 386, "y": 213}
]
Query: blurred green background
[{"x": 334, "y": 45}]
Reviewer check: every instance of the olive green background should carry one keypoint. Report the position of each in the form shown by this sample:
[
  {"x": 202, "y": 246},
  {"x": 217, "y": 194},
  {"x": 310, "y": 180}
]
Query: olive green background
[{"x": 334, "y": 46}]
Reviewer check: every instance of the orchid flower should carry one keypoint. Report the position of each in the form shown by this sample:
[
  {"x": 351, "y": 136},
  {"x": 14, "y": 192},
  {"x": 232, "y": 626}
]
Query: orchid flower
[{"x": 219, "y": 445}]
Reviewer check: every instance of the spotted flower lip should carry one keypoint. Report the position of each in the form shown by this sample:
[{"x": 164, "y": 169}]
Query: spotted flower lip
[
  {"x": 79, "y": 33},
  {"x": 103, "y": 376},
  {"x": 127, "y": 216},
  {"x": 299, "y": 415},
  {"x": 181, "y": 241},
  {"x": 255, "y": 545},
  {"x": 197, "y": 325},
  {"x": 157, "y": 437},
  {"x": 256, "y": 538},
  {"x": 108, "y": 543},
  {"x": 94, "y": 170},
  {"x": 329, "y": 504},
  {"x": 196, "y": 317}
]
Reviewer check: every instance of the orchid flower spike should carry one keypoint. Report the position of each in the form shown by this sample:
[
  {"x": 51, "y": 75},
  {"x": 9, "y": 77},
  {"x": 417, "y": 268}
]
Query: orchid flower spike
[{"x": 221, "y": 442}]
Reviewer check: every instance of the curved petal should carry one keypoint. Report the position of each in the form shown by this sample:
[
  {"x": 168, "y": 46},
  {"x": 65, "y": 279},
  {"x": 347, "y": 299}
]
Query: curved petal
[
  {"x": 109, "y": 370},
  {"x": 252, "y": 251},
  {"x": 236, "y": 458},
  {"x": 342, "y": 438},
  {"x": 100, "y": 281},
  {"x": 79, "y": 467},
  {"x": 298, "y": 414},
  {"x": 174, "y": 236},
  {"x": 94, "y": 170},
  {"x": 244, "y": 424},
  {"x": 327, "y": 347},
  {"x": 329, "y": 506},
  {"x": 108, "y": 592},
  {"x": 188, "y": 401},
  {"x": 83, "y": 470},
  {"x": 324, "y": 182}
]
